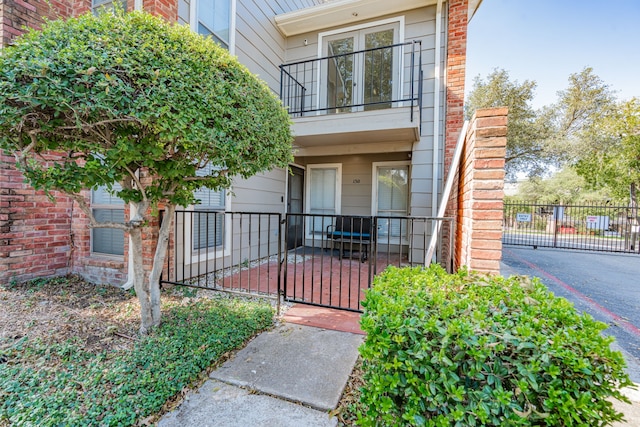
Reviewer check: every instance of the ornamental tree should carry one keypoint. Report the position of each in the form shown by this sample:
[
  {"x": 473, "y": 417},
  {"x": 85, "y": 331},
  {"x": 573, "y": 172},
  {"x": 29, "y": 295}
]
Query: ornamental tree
[{"x": 95, "y": 101}]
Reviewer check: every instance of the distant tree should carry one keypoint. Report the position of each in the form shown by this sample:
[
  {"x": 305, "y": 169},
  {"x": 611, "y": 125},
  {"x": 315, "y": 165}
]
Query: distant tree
[
  {"x": 118, "y": 98},
  {"x": 527, "y": 129},
  {"x": 613, "y": 159},
  {"x": 579, "y": 113},
  {"x": 563, "y": 187},
  {"x": 599, "y": 135}
]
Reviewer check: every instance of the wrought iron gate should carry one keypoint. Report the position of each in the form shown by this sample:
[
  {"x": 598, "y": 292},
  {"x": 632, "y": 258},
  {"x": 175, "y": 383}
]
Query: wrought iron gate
[
  {"x": 335, "y": 262},
  {"x": 591, "y": 227}
]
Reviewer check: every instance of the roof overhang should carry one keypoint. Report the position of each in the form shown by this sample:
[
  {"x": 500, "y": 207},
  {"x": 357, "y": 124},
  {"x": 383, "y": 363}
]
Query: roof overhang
[{"x": 334, "y": 13}]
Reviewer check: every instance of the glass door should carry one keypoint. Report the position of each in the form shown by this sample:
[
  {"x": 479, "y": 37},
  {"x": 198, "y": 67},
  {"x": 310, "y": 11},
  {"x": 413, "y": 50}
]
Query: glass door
[
  {"x": 362, "y": 72},
  {"x": 392, "y": 199},
  {"x": 340, "y": 72},
  {"x": 378, "y": 82}
]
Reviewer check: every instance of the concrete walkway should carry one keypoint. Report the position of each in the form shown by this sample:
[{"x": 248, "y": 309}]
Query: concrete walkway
[{"x": 292, "y": 376}]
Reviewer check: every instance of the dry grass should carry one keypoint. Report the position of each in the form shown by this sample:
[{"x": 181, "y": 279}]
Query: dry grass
[{"x": 102, "y": 317}]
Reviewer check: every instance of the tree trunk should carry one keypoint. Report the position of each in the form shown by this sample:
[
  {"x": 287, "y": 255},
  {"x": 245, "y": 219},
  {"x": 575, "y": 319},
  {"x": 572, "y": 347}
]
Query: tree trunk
[
  {"x": 139, "y": 284},
  {"x": 158, "y": 263}
]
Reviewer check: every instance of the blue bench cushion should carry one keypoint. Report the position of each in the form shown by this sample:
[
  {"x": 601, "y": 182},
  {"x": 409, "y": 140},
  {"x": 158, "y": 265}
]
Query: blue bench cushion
[{"x": 348, "y": 234}]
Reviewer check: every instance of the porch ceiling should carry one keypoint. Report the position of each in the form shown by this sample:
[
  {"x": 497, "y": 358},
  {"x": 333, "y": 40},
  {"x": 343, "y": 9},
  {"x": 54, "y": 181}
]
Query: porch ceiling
[
  {"x": 360, "y": 132},
  {"x": 333, "y": 13}
]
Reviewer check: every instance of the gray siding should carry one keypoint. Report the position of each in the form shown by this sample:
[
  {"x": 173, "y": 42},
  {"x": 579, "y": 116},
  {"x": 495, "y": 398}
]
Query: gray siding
[
  {"x": 259, "y": 44},
  {"x": 260, "y": 193},
  {"x": 421, "y": 24},
  {"x": 356, "y": 178}
]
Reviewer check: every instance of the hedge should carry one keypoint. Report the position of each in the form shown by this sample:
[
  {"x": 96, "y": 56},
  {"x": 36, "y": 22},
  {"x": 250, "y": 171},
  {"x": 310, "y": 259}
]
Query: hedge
[{"x": 470, "y": 350}]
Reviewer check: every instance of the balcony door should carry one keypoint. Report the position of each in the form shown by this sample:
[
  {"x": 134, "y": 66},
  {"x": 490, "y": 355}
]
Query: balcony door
[{"x": 362, "y": 72}]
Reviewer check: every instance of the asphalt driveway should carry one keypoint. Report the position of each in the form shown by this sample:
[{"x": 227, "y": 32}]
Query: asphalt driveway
[{"x": 605, "y": 285}]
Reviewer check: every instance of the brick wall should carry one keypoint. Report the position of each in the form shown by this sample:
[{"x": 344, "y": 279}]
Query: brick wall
[
  {"x": 480, "y": 192},
  {"x": 35, "y": 233},
  {"x": 167, "y": 9},
  {"x": 456, "y": 64}
]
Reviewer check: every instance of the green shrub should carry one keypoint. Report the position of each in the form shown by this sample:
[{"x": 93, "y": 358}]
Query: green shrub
[{"x": 470, "y": 350}]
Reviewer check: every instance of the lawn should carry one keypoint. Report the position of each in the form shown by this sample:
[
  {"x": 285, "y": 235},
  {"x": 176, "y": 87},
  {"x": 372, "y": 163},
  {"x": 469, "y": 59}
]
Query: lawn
[{"x": 69, "y": 353}]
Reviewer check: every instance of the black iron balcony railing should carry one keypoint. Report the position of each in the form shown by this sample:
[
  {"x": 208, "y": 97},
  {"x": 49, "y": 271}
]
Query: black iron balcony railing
[{"x": 371, "y": 79}]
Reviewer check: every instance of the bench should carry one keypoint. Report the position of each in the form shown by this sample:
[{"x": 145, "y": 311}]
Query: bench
[{"x": 349, "y": 232}]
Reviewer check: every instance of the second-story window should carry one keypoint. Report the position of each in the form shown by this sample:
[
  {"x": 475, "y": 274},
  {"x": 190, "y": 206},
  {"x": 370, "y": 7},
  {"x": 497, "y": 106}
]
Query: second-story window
[{"x": 208, "y": 17}]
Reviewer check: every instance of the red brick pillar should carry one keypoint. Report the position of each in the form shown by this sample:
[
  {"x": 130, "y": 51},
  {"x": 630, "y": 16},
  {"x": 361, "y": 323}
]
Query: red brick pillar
[
  {"x": 454, "y": 103},
  {"x": 481, "y": 192},
  {"x": 456, "y": 64}
]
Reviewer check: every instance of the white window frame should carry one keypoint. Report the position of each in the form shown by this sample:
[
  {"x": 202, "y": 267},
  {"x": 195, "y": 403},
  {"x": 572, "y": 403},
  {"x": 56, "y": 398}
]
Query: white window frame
[
  {"x": 395, "y": 20},
  {"x": 307, "y": 196},
  {"x": 96, "y": 5},
  {"x": 193, "y": 22},
  {"x": 374, "y": 190},
  {"x": 103, "y": 206}
]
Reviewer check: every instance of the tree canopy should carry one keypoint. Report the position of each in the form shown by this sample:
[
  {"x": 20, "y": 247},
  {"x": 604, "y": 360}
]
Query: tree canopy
[
  {"x": 586, "y": 131},
  {"x": 564, "y": 187},
  {"x": 527, "y": 129},
  {"x": 579, "y": 113},
  {"x": 125, "y": 92},
  {"x": 614, "y": 161},
  {"x": 130, "y": 99}
]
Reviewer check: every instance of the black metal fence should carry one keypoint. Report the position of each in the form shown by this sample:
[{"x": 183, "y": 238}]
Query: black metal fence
[
  {"x": 337, "y": 257},
  {"x": 231, "y": 251},
  {"x": 593, "y": 227},
  {"x": 377, "y": 78},
  {"x": 326, "y": 260}
]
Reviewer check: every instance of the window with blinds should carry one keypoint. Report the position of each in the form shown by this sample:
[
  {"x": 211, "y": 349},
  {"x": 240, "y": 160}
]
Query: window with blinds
[
  {"x": 208, "y": 216},
  {"x": 323, "y": 195},
  {"x": 107, "y": 208}
]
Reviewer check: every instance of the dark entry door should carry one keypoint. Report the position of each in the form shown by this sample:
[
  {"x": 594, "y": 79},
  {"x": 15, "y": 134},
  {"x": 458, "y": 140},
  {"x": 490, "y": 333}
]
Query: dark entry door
[{"x": 295, "y": 205}]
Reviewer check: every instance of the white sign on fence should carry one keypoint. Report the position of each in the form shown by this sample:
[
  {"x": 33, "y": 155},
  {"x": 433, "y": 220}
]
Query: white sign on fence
[
  {"x": 523, "y": 217},
  {"x": 595, "y": 222}
]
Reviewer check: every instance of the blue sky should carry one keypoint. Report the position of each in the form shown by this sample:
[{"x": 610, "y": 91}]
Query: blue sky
[{"x": 547, "y": 40}]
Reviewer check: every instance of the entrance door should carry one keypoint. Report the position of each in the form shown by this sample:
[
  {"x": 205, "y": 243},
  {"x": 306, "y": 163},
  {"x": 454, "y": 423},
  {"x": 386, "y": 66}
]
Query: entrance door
[
  {"x": 364, "y": 81},
  {"x": 391, "y": 198},
  {"x": 295, "y": 200}
]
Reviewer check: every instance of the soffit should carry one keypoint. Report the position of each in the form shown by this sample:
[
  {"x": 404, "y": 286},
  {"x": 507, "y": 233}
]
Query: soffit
[{"x": 334, "y": 13}]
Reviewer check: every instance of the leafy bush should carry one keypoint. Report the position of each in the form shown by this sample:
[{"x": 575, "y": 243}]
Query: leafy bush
[
  {"x": 120, "y": 388},
  {"x": 468, "y": 350}
]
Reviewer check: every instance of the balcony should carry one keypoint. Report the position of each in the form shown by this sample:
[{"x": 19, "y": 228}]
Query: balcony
[{"x": 372, "y": 96}]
